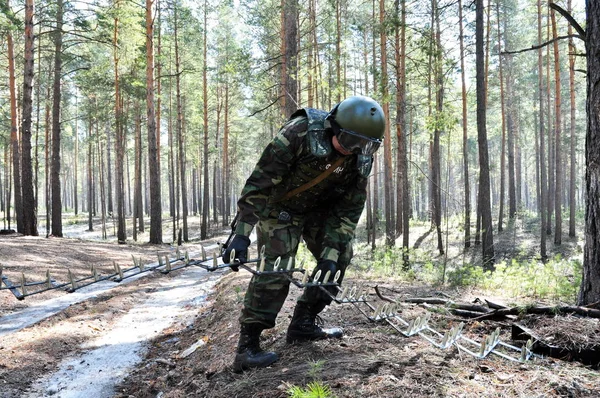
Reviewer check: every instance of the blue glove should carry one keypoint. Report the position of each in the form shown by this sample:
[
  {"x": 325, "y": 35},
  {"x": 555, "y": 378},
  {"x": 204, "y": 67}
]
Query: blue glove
[{"x": 240, "y": 244}]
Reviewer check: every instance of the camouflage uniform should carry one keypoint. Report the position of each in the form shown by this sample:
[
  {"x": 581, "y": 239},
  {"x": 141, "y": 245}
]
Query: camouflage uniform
[{"x": 325, "y": 215}]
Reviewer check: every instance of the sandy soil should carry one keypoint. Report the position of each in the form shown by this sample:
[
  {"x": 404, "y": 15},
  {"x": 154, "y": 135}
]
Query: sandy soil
[
  {"x": 372, "y": 360},
  {"x": 38, "y": 350}
]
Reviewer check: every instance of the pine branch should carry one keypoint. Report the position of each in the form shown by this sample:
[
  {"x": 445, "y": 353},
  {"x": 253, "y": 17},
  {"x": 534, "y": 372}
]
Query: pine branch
[
  {"x": 569, "y": 17},
  {"x": 538, "y": 46}
]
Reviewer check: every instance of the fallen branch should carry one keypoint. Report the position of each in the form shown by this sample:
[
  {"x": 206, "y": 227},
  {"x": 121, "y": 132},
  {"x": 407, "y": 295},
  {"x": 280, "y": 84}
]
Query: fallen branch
[
  {"x": 382, "y": 297},
  {"x": 502, "y": 312},
  {"x": 449, "y": 303}
]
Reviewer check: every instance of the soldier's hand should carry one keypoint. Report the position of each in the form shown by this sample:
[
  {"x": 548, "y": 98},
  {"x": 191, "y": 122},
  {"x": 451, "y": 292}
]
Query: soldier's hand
[
  {"x": 324, "y": 266},
  {"x": 240, "y": 244}
]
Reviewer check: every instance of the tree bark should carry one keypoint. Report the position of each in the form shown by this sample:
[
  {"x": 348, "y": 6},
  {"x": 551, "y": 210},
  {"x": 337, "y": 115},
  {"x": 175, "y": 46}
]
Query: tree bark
[
  {"x": 484, "y": 165},
  {"x": 573, "y": 139},
  {"x": 14, "y": 137},
  {"x": 55, "y": 172},
  {"x": 558, "y": 192},
  {"x": 29, "y": 217},
  {"x": 153, "y": 148},
  {"x": 205, "y": 198},
  {"x": 90, "y": 194},
  {"x": 436, "y": 167},
  {"x": 402, "y": 187},
  {"x": 467, "y": 187},
  {"x": 503, "y": 123},
  {"x": 179, "y": 127},
  {"x": 590, "y": 284},
  {"x": 543, "y": 178},
  {"x": 289, "y": 53},
  {"x": 387, "y": 145},
  {"x": 119, "y": 141}
]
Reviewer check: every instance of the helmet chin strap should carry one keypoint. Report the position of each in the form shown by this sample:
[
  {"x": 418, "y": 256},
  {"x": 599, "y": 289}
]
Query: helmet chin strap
[{"x": 338, "y": 147}]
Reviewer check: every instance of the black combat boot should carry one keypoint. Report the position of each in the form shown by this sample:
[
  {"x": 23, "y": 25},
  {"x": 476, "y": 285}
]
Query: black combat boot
[
  {"x": 305, "y": 325},
  {"x": 249, "y": 354}
]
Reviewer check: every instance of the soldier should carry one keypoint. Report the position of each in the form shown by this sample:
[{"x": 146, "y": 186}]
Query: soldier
[{"x": 310, "y": 183}]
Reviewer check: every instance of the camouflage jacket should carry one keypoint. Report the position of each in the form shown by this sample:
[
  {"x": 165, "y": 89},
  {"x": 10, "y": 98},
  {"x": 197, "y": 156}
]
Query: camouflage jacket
[{"x": 301, "y": 151}]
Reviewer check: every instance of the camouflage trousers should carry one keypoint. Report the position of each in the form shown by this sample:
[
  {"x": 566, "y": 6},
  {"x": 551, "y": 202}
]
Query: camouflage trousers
[{"x": 266, "y": 293}]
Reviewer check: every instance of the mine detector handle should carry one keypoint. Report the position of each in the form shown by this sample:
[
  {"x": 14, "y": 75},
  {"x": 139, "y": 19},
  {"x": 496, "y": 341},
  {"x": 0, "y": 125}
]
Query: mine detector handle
[{"x": 228, "y": 241}]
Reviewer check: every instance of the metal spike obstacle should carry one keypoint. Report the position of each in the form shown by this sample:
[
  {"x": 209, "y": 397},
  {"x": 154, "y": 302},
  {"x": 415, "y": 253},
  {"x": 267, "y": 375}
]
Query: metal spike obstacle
[{"x": 356, "y": 295}]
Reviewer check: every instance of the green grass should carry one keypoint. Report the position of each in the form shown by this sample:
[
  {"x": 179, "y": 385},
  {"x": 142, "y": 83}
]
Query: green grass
[{"x": 314, "y": 389}]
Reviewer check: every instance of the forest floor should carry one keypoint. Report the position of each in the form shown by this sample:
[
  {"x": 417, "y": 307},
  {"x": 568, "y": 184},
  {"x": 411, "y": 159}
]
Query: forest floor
[{"x": 188, "y": 352}]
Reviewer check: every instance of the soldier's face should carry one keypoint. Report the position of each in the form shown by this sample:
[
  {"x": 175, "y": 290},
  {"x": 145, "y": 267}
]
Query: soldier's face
[{"x": 338, "y": 147}]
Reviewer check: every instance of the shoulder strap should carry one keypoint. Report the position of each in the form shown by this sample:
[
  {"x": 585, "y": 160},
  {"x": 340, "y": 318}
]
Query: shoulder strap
[{"x": 312, "y": 182}]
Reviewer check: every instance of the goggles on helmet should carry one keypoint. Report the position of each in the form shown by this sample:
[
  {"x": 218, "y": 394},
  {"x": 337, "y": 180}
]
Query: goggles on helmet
[{"x": 357, "y": 143}]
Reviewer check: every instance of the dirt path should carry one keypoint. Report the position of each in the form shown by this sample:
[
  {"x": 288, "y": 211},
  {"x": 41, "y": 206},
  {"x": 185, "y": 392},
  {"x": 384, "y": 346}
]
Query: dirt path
[
  {"x": 82, "y": 344},
  {"x": 105, "y": 360}
]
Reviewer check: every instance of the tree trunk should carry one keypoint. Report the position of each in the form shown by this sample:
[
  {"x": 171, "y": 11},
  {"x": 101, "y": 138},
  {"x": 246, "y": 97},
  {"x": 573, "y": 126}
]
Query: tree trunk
[
  {"x": 573, "y": 174},
  {"x": 37, "y": 125},
  {"x": 590, "y": 284},
  {"x": 542, "y": 120},
  {"x": 403, "y": 199},
  {"x": 29, "y": 217},
  {"x": 387, "y": 145},
  {"x": 119, "y": 143},
  {"x": 558, "y": 192},
  {"x": 484, "y": 166},
  {"x": 289, "y": 52},
  {"x": 153, "y": 145},
  {"x": 76, "y": 156},
  {"x": 90, "y": 187},
  {"x": 48, "y": 148},
  {"x": 205, "y": 199},
  {"x": 226, "y": 166},
  {"x": 551, "y": 173},
  {"x": 465, "y": 141},
  {"x": 511, "y": 130},
  {"x": 158, "y": 85},
  {"x": 55, "y": 173},
  {"x": 180, "y": 138},
  {"x": 503, "y": 123},
  {"x": 436, "y": 174},
  {"x": 138, "y": 209},
  {"x": 14, "y": 138}
]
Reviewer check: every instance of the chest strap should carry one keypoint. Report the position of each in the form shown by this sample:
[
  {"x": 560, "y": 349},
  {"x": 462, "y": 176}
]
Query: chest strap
[{"x": 312, "y": 182}]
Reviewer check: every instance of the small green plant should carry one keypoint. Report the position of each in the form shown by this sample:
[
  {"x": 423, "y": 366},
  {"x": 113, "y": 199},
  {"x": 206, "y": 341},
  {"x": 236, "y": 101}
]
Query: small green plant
[
  {"x": 314, "y": 389},
  {"x": 315, "y": 368},
  {"x": 238, "y": 291}
]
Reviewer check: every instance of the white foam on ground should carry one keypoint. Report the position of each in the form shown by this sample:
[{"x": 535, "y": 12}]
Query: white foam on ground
[{"x": 107, "y": 360}]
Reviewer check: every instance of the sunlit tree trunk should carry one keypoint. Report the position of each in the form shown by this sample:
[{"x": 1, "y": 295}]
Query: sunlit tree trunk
[
  {"x": 154, "y": 170},
  {"x": 205, "y": 198},
  {"x": 119, "y": 141},
  {"x": 387, "y": 146},
  {"x": 484, "y": 176},
  {"x": 558, "y": 192},
  {"x": 590, "y": 285},
  {"x": 180, "y": 138},
  {"x": 439, "y": 108},
  {"x": 403, "y": 198},
  {"x": 55, "y": 173},
  {"x": 14, "y": 136},
  {"x": 573, "y": 138},
  {"x": 503, "y": 124},
  {"x": 465, "y": 137},
  {"x": 29, "y": 217},
  {"x": 542, "y": 120},
  {"x": 289, "y": 52},
  {"x": 90, "y": 188}
]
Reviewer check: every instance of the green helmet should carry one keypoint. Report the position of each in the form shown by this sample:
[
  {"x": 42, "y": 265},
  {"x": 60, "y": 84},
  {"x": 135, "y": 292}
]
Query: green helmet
[{"x": 359, "y": 114}]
